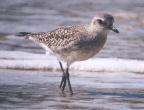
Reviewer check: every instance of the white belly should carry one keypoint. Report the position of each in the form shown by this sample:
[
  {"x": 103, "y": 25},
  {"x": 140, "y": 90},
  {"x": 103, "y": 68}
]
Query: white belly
[{"x": 48, "y": 50}]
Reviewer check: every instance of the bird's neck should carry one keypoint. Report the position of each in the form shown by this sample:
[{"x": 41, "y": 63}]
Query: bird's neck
[{"x": 97, "y": 30}]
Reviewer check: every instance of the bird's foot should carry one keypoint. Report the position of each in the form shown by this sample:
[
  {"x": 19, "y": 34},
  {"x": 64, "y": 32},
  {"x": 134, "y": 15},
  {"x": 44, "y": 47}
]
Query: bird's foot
[
  {"x": 64, "y": 81},
  {"x": 61, "y": 92}
]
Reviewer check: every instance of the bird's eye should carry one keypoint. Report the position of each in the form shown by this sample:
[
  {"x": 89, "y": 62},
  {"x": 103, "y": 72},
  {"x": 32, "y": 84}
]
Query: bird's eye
[{"x": 100, "y": 21}]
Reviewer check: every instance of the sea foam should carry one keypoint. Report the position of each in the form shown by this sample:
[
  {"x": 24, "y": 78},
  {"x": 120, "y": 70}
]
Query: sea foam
[{"x": 24, "y": 60}]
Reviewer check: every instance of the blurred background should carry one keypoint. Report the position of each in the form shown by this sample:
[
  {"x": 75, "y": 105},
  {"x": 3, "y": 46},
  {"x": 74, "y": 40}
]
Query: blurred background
[
  {"x": 45, "y": 15},
  {"x": 113, "y": 80}
]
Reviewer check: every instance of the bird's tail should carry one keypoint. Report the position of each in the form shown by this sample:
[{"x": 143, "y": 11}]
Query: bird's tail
[{"x": 23, "y": 34}]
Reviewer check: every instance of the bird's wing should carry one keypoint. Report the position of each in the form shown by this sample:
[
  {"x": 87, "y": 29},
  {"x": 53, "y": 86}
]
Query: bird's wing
[{"x": 60, "y": 38}]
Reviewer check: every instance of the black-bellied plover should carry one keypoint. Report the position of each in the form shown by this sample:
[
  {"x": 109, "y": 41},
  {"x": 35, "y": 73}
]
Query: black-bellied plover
[{"x": 74, "y": 43}]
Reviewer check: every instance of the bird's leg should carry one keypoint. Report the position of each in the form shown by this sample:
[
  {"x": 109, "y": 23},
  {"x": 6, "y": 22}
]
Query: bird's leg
[
  {"x": 65, "y": 78},
  {"x": 68, "y": 80},
  {"x": 64, "y": 83},
  {"x": 62, "y": 80}
]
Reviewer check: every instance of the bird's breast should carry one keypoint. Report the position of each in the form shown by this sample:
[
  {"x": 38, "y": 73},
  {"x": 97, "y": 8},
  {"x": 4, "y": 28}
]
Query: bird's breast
[{"x": 84, "y": 49}]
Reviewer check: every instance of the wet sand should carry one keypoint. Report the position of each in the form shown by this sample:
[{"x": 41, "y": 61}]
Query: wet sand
[{"x": 37, "y": 90}]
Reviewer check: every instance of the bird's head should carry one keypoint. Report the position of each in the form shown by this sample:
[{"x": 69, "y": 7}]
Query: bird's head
[{"x": 104, "y": 21}]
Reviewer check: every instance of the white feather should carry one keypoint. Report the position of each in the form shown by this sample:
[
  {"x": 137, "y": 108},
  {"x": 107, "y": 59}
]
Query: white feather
[{"x": 48, "y": 50}]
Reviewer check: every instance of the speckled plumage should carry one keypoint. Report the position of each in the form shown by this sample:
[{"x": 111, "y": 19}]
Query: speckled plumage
[
  {"x": 70, "y": 41},
  {"x": 74, "y": 43}
]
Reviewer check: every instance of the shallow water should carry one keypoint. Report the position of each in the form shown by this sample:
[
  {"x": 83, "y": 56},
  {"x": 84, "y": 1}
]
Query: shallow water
[{"x": 31, "y": 90}]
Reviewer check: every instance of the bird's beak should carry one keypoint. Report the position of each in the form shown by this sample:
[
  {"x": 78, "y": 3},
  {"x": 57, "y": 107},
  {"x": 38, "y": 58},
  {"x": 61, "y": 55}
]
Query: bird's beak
[{"x": 114, "y": 29}]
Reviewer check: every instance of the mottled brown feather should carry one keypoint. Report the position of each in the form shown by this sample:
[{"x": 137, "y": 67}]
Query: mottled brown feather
[{"x": 60, "y": 38}]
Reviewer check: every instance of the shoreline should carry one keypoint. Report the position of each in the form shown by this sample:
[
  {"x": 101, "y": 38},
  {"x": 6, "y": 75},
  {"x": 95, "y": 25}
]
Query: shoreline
[{"x": 30, "y": 61}]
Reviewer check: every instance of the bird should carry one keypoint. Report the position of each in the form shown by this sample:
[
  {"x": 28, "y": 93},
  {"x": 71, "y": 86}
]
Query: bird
[{"x": 74, "y": 43}]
